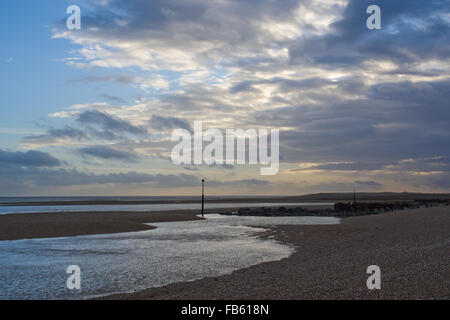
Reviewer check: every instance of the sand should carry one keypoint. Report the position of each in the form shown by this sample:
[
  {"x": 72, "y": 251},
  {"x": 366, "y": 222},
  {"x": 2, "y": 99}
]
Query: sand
[
  {"x": 411, "y": 248},
  {"x": 69, "y": 224}
]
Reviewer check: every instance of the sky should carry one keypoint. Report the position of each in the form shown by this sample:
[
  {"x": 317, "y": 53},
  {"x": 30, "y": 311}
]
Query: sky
[{"x": 91, "y": 111}]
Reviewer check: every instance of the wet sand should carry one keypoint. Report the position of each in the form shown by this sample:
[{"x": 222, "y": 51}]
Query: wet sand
[
  {"x": 69, "y": 224},
  {"x": 411, "y": 248}
]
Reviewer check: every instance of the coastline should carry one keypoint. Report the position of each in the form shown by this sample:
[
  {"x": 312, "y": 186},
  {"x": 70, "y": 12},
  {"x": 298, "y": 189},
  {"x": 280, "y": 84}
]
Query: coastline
[{"x": 330, "y": 262}]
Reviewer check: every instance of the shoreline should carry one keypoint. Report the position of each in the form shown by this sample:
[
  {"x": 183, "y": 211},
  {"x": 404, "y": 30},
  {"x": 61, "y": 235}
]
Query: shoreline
[
  {"x": 330, "y": 261},
  {"x": 39, "y": 225}
]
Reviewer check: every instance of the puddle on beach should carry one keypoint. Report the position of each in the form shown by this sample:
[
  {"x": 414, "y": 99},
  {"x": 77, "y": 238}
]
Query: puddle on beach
[{"x": 127, "y": 262}]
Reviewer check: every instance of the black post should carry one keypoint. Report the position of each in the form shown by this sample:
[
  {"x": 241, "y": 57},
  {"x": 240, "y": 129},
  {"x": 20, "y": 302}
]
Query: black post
[{"x": 203, "y": 198}]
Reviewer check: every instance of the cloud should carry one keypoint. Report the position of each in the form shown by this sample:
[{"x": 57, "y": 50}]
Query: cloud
[
  {"x": 151, "y": 81},
  {"x": 27, "y": 159},
  {"x": 338, "y": 186},
  {"x": 22, "y": 179},
  {"x": 346, "y": 166},
  {"x": 118, "y": 78},
  {"x": 54, "y": 135},
  {"x": 370, "y": 184},
  {"x": 92, "y": 124},
  {"x": 164, "y": 123},
  {"x": 238, "y": 183},
  {"x": 104, "y": 152},
  {"x": 347, "y": 99},
  {"x": 440, "y": 182},
  {"x": 222, "y": 166},
  {"x": 111, "y": 125},
  {"x": 409, "y": 30},
  {"x": 114, "y": 98},
  {"x": 191, "y": 168}
]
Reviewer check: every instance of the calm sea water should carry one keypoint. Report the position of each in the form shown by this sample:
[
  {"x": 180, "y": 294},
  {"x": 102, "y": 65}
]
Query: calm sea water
[
  {"x": 115, "y": 198},
  {"x": 145, "y": 207},
  {"x": 126, "y": 262}
]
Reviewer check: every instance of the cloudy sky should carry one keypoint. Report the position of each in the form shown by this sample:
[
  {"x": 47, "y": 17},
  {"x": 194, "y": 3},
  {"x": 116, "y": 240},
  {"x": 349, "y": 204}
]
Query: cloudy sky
[{"x": 91, "y": 111}]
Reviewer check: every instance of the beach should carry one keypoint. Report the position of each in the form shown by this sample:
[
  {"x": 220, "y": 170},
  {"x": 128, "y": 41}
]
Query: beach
[
  {"x": 410, "y": 247},
  {"x": 330, "y": 261}
]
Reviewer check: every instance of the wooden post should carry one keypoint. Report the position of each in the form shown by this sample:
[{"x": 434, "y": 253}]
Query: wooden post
[{"x": 203, "y": 198}]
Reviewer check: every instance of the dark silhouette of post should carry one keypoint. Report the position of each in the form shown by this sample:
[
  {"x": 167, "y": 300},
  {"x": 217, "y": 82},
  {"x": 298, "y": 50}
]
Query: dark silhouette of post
[{"x": 203, "y": 198}]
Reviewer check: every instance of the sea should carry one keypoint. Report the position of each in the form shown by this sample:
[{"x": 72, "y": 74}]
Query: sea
[{"x": 170, "y": 206}]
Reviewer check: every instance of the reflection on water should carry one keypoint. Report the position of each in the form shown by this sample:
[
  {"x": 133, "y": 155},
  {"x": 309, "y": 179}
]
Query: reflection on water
[
  {"x": 145, "y": 207},
  {"x": 174, "y": 252}
]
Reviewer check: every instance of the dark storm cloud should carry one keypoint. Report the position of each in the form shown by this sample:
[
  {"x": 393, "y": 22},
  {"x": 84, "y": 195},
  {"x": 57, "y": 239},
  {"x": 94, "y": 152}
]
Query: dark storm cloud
[
  {"x": 108, "y": 153},
  {"x": 27, "y": 159}
]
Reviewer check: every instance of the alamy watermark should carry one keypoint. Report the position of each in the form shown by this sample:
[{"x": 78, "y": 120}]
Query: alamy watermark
[
  {"x": 374, "y": 20},
  {"x": 231, "y": 146},
  {"x": 73, "y": 22},
  {"x": 374, "y": 281},
  {"x": 74, "y": 280}
]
